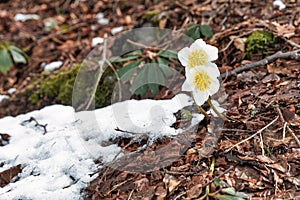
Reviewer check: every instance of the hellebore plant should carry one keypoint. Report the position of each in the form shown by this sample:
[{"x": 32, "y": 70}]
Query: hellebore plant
[{"x": 201, "y": 74}]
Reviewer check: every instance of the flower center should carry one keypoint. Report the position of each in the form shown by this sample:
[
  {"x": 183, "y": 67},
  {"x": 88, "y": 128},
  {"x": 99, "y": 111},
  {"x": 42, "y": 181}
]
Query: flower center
[
  {"x": 197, "y": 57},
  {"x": 202, "y": 80}
]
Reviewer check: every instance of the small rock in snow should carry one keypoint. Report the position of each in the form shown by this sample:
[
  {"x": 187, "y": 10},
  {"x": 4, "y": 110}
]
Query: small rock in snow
[
  {"x": 25, "y": 17},
  {"x": 52, "y": 66}
]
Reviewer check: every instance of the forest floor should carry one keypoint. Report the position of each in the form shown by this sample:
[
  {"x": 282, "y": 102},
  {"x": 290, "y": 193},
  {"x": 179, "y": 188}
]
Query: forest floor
[{"x": 263, "y": 102}]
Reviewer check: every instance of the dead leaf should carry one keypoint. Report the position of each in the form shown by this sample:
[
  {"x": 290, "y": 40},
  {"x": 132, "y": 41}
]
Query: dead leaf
[
  {"x": 171, "y": 182},
  {"x": 161, "y": 193},
  {"x": 7, "y": 175},
  {"x": 194, "y": 192},
  {"x": 141, "y": 184}
]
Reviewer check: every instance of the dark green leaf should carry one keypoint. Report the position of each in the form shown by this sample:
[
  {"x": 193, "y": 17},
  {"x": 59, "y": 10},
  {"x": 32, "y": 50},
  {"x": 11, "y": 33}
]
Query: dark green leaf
[
  {"x": 193, "y": 32},
  {"x": 168, "y": 72},
  {"x": 228, "y": 197},
  {"x": 5, "y": 61},
  {"x": 168, "y": 54},
  {"x": 154, "y": 88},
  {"x": 141, "y": 90},
  {"x": 126, "y": 58},
  {"x": 155, "y": 74},
  {"x": 162, "y": 61},
  {"x": 206, "y": 31},
  {"x": 128, "y": 67},
  {"x": 150, "y": 74},
  {"x": 134, "y": 53},
  {"x": 140, "y": 79}
]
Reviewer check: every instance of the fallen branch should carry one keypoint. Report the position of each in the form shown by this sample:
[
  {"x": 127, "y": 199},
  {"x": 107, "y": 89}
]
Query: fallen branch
[{"x": 290, "y": 54}]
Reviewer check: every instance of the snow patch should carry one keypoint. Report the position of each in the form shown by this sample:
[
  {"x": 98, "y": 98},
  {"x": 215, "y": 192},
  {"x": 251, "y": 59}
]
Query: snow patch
[
  {"x": 60, "y": 163},
  {"x": 116, "y": 30},
  {"x": 25, "y": 17},
  {"x": 3, "y": 96},
  {"x": 96, "y": 41},
  {"x": 279, "y": 4},
  {"x": 52, "y": 66},
  {"x": 101, "y": 19}
]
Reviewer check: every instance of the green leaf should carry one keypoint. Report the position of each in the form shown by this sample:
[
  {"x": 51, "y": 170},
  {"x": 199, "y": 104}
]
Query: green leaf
[
  {"x": 217, "y": 181},
  {"x": 18, "y": 57},
  {"x": 193, "y": 32},
  {"x": 186, "y": 114},
  {"x": 141, "y": 90},
  {"x": 228, "y": 197},
  {"x": 154, "y": 88},
  {"x": 168, "y": 54},
  {"x": 149, "y": 74},
  {"x": 229, "y": 190},
  {"x": 5, "y": 61},
  {"x": 206, "y": 31},
  {"x": 134, "y": 53},
  {"x": 162, "y": 61},
  {"x": 128, "y": 67},
  {"x": 126, "y": 58},
  {"x": 168, "y": 72}
]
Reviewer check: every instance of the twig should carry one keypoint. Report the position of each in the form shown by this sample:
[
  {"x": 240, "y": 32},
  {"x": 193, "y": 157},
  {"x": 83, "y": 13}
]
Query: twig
[
  {"x": 225, "y": 172},
  {"x": 252, "y": 136},
  {"x": 287, "y": 126},
  {"x": 102, "y": 69},
  {"x": 291, "y": 54},
  {"x": 236, "y": 130},
  {"x": 37, "y": 124}
]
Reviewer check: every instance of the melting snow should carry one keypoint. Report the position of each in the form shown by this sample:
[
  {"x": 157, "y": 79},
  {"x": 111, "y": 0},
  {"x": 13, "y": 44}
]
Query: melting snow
[{"x": 59, "y": 164}]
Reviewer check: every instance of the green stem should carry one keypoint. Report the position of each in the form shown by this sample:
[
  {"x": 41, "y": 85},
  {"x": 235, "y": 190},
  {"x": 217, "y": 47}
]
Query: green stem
[
  {"x": 215, "y": 109},
  {"x": 200, "y": 108},
  {"x": 212, "y": 169},
  {"x": 203, "y": 111}
]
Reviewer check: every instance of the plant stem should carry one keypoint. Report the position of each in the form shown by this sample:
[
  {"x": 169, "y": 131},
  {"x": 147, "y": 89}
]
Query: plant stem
[
  {"x": 215, "y": 109},
  {"x": 200, "y": 108},
  {"x": 212, "y": 169},
  {"x": 203, "y": 111}
]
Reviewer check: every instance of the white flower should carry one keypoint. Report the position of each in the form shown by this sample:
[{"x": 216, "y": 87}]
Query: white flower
[
  {"x": 198, "y": 54},
  {"x": 202, "y": 81},
  {"x": 218, "y": 107}
]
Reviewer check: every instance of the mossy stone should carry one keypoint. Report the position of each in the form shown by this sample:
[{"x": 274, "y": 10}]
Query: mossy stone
[
  {"x": 58, "y": 88},
  {"x": 259, "y": 42}
]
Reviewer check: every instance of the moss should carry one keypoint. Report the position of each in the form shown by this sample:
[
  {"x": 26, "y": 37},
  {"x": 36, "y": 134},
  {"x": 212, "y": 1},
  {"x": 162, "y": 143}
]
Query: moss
[
  {"x": 58, "y": 88},
  {"x": 259, "y": 42}
]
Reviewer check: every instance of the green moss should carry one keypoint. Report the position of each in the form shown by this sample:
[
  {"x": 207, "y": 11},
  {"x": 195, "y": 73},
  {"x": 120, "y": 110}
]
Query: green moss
[
  {"x": 259, "y": 42},
  {"x": 58, "y": 88}
]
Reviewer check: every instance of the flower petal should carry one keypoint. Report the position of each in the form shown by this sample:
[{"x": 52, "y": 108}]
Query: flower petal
[
  {"x": 186, "y": 86},
  {"x": 213, "y": 70},
  {"x": 200, "y": 97},
  {"x": 214, "y": 87},
  {"x": 198, "y": 44},
  {"x": 183, "y": 56},
  {"x": 212, "y": 52}
]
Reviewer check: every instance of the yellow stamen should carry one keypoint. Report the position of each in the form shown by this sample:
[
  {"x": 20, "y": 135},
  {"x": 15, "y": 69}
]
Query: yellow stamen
[
  {"x": 202, "y": 80},
  {"x": 196, "y": 58}
]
